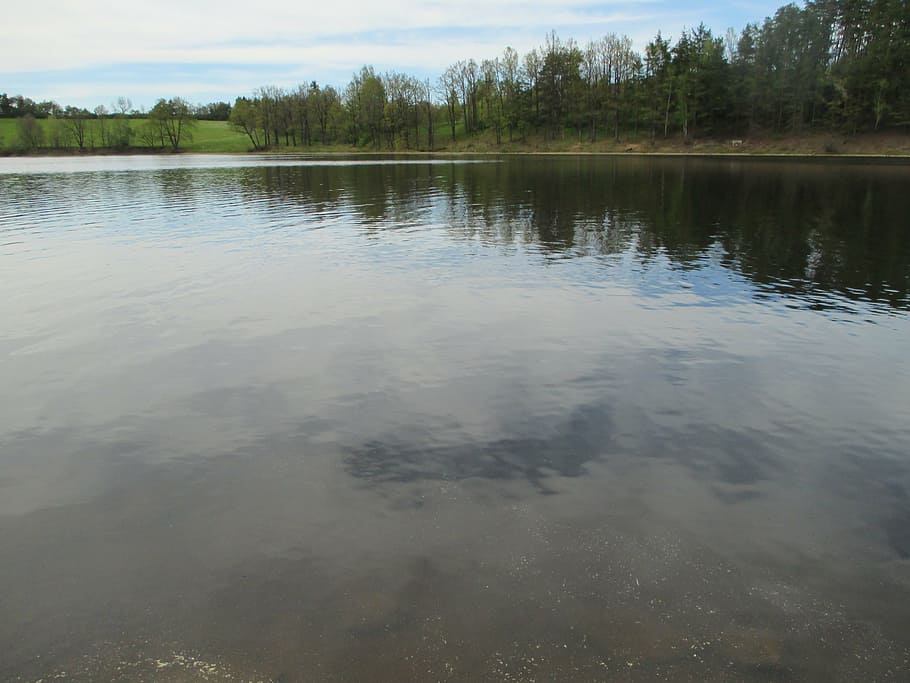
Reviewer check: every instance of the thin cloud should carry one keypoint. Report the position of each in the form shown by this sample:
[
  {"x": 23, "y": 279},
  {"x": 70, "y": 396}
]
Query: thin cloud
[{"x": 58, "y": 49}]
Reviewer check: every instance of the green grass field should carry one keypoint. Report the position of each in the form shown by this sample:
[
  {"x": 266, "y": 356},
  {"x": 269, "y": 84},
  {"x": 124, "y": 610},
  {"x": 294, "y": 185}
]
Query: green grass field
[
  {"x": 207, "y": 136},
  {"x": 217, "y": 136},
  {"x": 7, "y": 133}
]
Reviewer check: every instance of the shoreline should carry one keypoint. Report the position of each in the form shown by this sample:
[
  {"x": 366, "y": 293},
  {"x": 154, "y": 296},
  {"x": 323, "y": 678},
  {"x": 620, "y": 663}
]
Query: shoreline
[
  {"x": 58, "y": 154},
  {"x": 216, "y": 137},
  {"x": 707, "y": 149}
]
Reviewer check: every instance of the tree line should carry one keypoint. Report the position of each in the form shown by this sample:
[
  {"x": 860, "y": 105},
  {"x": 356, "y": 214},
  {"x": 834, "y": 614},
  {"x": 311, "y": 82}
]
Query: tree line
[
  {"x": 829, "y": 65},
  {"x": 839, "y": 65},
  {"x": 18, "y": 106},
  {"x": 168, "y": 124}
]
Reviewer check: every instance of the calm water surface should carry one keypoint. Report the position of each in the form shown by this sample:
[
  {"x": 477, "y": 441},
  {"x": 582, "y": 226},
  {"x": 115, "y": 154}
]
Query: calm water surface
[{"x": 288, "y": 419}]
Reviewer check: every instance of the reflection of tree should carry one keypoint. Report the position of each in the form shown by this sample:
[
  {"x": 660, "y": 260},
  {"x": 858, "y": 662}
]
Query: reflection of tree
[
  {"x": 179, "y": 187},
  {"x": 791, "y": 227}
]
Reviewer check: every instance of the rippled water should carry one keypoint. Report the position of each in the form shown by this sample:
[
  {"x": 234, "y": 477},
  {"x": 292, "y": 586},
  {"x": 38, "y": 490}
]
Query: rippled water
[{"x": 555, "y": 418}]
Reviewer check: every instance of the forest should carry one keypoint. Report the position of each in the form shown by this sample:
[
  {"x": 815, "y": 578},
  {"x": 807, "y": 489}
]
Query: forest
[{"x": 830, "y": 65}]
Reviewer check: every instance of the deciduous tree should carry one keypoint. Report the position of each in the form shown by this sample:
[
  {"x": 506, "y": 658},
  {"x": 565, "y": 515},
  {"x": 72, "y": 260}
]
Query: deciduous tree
[{"x": 173, "y": 119}]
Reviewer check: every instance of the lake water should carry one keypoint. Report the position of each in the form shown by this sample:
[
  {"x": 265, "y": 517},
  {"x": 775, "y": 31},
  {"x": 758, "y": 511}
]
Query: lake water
[{"x": 534, "y": 418}]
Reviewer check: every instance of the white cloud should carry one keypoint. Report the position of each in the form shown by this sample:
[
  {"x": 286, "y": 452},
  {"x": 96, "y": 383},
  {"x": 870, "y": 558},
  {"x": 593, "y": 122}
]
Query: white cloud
[
  {"x": 57, "y": 33},
  {"x": 91, "y": 51}
]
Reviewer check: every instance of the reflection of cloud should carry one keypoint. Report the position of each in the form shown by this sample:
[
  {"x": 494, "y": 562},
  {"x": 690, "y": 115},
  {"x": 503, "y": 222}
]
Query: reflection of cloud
[
  {"x": 534, "y": 443},
  {"x": 582, "y": 436}
]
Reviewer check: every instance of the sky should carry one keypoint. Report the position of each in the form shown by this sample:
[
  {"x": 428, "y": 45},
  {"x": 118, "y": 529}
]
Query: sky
[{"x": 91, "y": 52}]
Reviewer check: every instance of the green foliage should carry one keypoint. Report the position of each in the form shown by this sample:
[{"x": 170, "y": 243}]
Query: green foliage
[
  {"x": 831, "y": 65},
  {"x": 170, "y": 122},
  {"x": 213, "y": 111},
  {"x": 246, "y": 118},
  {"x": 119, "y": 133},
  {"x": 30, "y": 134}
]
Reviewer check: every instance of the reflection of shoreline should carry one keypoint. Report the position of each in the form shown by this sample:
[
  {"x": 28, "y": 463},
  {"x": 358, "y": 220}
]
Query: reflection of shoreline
[
  {"x": 902, "y": 156},
  {"x": 797, "y": 228},
  {"x": 794, "y": 228},
  {"x": 806, "y": 145}
]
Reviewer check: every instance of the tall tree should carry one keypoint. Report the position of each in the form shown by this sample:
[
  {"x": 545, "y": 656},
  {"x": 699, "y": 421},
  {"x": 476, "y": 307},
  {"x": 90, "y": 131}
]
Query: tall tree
[
  {"x": 101, "y": 114},
  {"x": 365, "y": 100},
  {"x": 448, "y": 88},
  {"x": 29, "y": 131},
  {"x": 560, "y": 80},
  {"x": 658, "y": 84},
  {"x": 173, "y": 119},
  {"x": 76, "y": 123},
  {"x": 246, "y": 118}
]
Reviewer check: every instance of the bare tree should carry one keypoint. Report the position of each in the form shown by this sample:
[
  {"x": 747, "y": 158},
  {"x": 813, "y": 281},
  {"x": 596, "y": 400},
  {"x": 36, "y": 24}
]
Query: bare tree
[
  {"x": 510, "y": 74},
  {"x": 122, "y": 106},
  {"x": 448, "y": 88},
  {"x": 428, "y": 102}
]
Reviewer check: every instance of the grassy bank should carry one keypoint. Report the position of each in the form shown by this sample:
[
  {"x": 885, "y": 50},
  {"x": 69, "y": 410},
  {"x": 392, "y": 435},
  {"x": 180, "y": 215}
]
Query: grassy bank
[
  {"x": 804, "y": 144},
  {"x": 219, "y": 137},
  {"x": 207, "y": 136}
]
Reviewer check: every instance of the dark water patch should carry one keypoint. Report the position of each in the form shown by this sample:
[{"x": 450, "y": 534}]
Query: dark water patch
[
  {"x": 898, "y": 531},
  {"x": 739, "y": 495},
  {"x": 562, "y": 450}
]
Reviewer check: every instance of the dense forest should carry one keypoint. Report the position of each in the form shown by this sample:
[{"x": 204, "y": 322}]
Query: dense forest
[{"x": 838, "y": 65}]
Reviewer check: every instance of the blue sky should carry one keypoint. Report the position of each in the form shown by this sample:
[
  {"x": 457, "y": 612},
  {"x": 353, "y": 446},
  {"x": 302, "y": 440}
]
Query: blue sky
[{"x": 91, "y": 52}]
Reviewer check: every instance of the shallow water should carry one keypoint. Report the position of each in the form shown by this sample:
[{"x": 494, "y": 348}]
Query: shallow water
[{"x": 534, "y": 418}]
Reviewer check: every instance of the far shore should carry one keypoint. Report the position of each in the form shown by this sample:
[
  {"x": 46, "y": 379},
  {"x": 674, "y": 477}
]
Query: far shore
[{"x": 824, "y": 145}]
